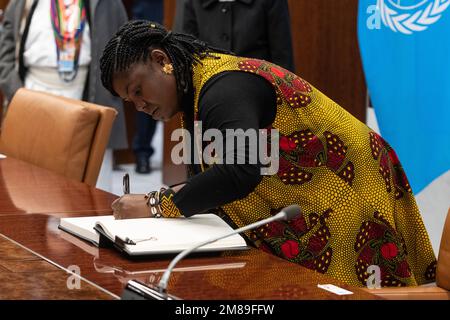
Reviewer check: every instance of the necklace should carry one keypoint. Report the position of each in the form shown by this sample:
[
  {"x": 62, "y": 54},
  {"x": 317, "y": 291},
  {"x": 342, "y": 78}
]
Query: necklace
[{"x": 68, "y": 21}]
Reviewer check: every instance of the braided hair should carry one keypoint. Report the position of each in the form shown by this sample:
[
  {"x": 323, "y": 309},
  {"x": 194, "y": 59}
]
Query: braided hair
[{"x": 133, "y": 41}]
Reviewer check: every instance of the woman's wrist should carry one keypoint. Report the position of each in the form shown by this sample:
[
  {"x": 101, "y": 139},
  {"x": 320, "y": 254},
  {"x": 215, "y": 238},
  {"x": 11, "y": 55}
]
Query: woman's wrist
[
  {"x": 166, "y": 204},
  {"x": 153, "y": 204}
]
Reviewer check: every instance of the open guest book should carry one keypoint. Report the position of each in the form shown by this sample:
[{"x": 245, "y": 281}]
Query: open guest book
[{"x": 148, "y": 236}]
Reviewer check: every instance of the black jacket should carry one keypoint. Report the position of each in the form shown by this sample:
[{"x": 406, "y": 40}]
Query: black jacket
[{"x": 250, "y": 28}]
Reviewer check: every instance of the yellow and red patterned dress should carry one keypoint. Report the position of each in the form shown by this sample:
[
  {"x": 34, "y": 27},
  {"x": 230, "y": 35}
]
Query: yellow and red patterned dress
[{"x": 358, "y": 208}]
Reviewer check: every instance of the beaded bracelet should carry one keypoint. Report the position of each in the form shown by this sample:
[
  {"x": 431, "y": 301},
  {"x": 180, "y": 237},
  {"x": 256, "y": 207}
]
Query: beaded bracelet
[{"x": 153, "y": 203}]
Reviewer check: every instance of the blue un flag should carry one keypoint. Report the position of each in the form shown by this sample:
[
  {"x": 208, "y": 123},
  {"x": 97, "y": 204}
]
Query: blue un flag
[{"x": 405, "y": 48}]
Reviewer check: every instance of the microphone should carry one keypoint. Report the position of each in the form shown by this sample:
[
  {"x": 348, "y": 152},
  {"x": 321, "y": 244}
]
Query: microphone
[{"x": 286, "y": 214}]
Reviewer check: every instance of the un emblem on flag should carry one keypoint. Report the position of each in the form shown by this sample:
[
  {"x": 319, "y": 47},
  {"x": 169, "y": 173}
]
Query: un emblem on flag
[{"x": 408, "y": 16}]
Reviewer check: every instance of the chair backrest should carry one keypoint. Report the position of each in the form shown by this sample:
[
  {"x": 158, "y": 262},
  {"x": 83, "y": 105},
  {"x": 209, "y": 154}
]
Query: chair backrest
[
  {"x": 63, "y": 135},
  {"x": 443, "y": 266},
  {"x": 100, "y": 141}
]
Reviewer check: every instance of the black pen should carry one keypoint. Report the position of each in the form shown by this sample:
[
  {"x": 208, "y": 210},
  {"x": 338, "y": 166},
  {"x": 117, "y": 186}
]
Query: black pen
[{"x": 126, "y": 184}]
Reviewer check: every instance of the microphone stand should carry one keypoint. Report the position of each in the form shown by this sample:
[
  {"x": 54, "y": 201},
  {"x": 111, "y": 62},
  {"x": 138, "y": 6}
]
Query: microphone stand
[{"x": 160, "y": 292}]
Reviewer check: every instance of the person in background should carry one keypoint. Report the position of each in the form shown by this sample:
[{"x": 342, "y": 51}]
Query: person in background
[
  {"x": 145, "y": 125},
  {"x": 55, "y": 46},
  {"x": 255, "y": 29}
]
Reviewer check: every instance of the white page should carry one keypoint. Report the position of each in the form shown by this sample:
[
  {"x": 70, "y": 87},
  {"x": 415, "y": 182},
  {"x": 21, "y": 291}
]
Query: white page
[
  {"x": 84, "y": 226},
  {"x": 168, "y": 235},
  {"x": 172, "y": 235}
]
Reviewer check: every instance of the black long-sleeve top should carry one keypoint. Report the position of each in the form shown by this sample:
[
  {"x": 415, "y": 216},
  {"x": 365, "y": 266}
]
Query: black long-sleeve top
[{"x": 230, "y": 100}]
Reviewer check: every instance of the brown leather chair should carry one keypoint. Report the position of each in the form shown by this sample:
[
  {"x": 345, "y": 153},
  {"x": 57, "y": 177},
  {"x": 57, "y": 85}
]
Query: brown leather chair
[
  {"x": 436, "y": 291},
  {"x": 63, "y": 135}
]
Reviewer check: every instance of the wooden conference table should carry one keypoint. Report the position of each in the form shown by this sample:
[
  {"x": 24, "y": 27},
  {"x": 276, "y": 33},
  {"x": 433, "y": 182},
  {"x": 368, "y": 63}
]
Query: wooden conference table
[{"x": 35, "y": 255}]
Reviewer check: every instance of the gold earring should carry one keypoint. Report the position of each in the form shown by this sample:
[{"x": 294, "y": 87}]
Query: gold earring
[{"x": 168, "y": 68}]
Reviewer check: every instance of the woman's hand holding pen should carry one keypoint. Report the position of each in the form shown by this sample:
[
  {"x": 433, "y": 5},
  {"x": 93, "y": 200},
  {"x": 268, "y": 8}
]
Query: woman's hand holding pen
[
  {"x": 131, "y": 206},
  {"x": 134, "y": 206}
]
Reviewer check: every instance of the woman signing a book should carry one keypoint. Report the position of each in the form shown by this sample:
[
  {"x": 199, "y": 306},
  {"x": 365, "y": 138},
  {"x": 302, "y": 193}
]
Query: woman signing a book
[{"x": 358, "y": 208}]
